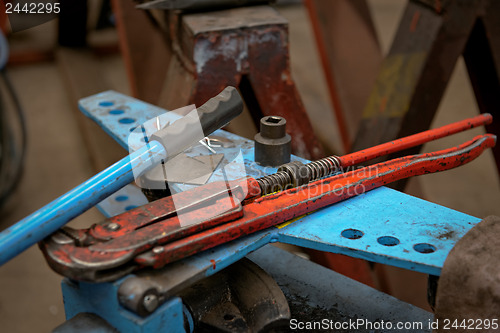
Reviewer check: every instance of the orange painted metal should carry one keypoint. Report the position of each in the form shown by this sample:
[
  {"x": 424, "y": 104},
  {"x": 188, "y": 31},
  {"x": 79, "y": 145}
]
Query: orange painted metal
[{"x": 414, "y": 140}]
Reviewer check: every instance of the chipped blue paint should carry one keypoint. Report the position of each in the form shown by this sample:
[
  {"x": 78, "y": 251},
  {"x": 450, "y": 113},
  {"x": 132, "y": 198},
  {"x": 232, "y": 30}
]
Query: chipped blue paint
[
  {"x": 379, "y": 213},
  {"x": 101, "y": 300}
]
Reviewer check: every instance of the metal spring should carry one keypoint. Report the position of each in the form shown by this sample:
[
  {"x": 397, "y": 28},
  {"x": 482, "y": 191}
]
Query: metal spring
[
  {"x": 275, "y": 182},
  {"x": 323, "y": 167},
  {"x": 281, "y": 180}
]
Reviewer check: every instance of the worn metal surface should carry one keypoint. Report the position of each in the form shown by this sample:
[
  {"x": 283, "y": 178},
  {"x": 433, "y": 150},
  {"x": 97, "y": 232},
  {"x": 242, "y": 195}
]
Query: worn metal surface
[
  {"x": 272, "y": 143},
  {"x": 240, "y": 298},
  {"x": 315, "y": 293},
  {"x": 102, "y": 299},
  {"x": 414, "y": 75},
  {"x": 383, "y": 211},
  {"x": 171, "y": 279},
  {"x": 244, "y": 47},
  {"x": 119, "y": 115}
]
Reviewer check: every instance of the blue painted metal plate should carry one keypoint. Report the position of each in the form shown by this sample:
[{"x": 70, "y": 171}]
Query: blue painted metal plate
[
  {"x": 384, "y": 226},
  {"x": 118, "y": 114},
  {"x": 416, "y": 234},
  {"x": 122, "y": 200}
]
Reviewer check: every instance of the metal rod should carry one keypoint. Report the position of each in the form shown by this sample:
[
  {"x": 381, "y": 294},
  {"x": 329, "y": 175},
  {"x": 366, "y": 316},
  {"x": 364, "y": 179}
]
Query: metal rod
[
  {"x": 56, "y": 214},
  {"x": 414, "y": 140}
]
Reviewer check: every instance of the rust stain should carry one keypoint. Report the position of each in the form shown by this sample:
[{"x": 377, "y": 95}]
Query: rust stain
[
  {"x": 447, "y": 235},
  {"x": 414, "y": 21},
  {"x": 213, "y": 263}
]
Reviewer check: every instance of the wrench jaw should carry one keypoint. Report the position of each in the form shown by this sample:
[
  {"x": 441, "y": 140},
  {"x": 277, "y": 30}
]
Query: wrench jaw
[
  {"x": 108, "y": 258},
  {"x": 65, "y": 259}
]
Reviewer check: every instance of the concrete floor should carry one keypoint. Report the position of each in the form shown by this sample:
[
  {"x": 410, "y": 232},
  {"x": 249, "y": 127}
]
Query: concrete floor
[{"x": 57, "y": 160}]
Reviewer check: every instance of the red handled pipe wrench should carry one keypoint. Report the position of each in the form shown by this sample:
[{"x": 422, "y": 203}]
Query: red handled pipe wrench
[{"x": 154, "y": 235}]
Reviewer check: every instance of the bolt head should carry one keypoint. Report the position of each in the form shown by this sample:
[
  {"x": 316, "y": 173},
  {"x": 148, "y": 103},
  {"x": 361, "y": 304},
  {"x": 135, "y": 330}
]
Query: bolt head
[
  {"x": 113, "y": 226},
  {"x": 150, "y": 302}
]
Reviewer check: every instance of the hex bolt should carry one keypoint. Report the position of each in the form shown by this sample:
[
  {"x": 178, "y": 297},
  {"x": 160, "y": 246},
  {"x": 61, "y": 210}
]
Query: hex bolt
[
  {"x": 272, "y": 144},
  {"x": 150, "y": 302},
  {"x": 113, "y": 226}
]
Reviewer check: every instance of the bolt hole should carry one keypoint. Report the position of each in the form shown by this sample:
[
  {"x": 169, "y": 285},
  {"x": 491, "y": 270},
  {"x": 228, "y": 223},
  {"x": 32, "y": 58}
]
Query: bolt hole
[
  {"x": 106, "y": 103},
  {"x": 273, "y": 120},
  {"x": 424, "y": 248},
  {"x": 352, "y": 233},
  {"x": 121, "y": 198},
  {"x": 228, "y": 317},
  {"x": 130, "y": 207},
  {"x": 126, "y": 120},
  {"x": 116, "y": 111},
  {"x": 388, "y": 241}
]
